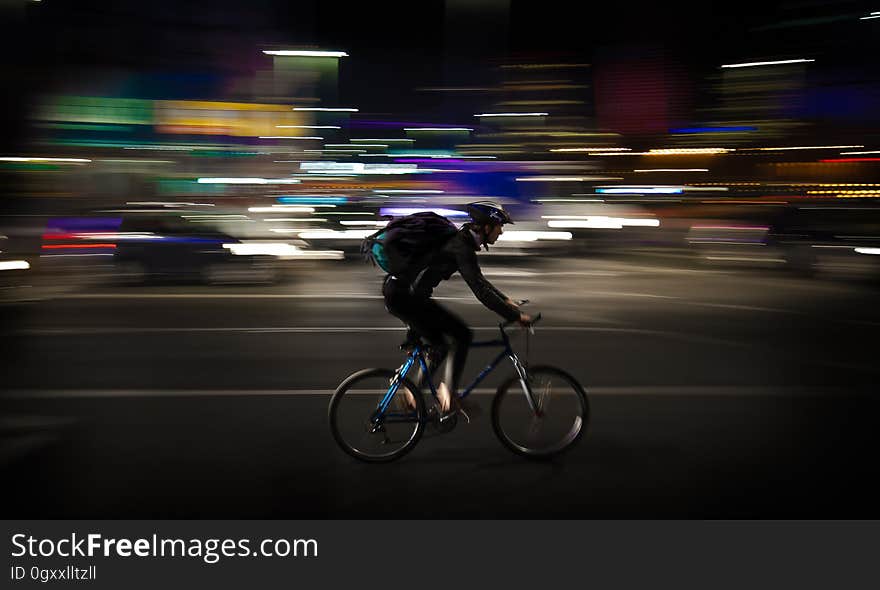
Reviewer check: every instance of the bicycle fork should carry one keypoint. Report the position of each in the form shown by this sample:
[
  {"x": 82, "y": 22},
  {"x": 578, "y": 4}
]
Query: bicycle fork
[{"x": 526, "y": 386}]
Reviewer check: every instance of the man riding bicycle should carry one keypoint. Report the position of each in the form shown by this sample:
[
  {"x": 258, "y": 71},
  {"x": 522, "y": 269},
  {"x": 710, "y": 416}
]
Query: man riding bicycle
[{"x": 410, "y": 300}]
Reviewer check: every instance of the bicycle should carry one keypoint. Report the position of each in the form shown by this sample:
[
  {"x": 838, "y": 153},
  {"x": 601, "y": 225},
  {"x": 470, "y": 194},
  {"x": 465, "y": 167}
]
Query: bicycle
[{"x": 371, "y": 419}]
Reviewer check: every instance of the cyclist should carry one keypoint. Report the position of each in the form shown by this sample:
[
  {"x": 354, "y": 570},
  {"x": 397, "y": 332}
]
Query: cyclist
[{"x": 411, "y": 300}]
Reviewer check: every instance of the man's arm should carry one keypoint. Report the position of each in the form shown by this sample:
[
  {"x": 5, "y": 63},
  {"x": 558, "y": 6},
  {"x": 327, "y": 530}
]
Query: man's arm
[{"x": 482, "y": 288}]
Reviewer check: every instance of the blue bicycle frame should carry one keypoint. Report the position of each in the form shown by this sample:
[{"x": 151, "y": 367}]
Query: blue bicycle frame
[{"x": 417, "y": 355}]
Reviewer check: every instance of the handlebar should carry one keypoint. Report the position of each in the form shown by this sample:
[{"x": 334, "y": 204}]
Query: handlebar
[{"x": 534, "y": 321}]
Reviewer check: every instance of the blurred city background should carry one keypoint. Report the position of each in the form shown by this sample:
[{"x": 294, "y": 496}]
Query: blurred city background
[{"x": 186, "y": 186}]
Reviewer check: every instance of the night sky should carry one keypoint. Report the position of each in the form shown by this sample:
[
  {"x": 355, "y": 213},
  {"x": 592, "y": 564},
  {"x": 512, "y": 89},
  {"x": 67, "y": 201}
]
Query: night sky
[{"x": 396, "y": 46}]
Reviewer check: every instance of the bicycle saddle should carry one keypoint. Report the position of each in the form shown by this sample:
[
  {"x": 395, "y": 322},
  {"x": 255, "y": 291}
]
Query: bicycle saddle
[{"x": 413, "y": 339}]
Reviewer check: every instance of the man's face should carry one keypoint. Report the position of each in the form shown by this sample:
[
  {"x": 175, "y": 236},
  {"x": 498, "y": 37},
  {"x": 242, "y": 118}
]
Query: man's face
[{"x": 493, "y": 232}]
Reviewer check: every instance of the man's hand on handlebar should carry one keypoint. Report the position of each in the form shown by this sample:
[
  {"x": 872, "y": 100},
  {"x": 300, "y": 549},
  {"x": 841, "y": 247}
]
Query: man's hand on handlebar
[{"x": 525, "y": 320}]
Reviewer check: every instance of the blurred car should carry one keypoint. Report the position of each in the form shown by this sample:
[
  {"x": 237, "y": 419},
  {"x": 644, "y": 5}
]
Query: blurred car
[
  {"x": 148, "y": 245},
  {"x": 597, "y": 227},
  {"x": 15, "y": 273},
  {"x": 167, "y": 245},
  {"x": 732, "y": 243},
  {"x": 830, "y": 240}
]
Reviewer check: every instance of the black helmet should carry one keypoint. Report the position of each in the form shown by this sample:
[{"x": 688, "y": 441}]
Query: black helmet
[{"x": 483, "y": 212}]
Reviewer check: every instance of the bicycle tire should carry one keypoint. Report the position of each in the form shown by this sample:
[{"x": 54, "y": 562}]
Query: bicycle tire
[
  {"x": 506, "y": 411},
  {"x": 346, "y": 392}
]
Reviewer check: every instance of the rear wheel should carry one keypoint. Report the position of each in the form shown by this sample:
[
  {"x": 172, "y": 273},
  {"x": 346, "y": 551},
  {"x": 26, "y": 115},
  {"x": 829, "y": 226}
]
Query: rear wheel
[
  {"x": 362, "y": 430},
  {"x": 563, "y": 413}
]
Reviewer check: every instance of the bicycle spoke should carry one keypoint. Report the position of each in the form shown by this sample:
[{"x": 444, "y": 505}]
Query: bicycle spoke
[
  {"x": 359, "y": 427},
  {"x": 555, "y": 423}
]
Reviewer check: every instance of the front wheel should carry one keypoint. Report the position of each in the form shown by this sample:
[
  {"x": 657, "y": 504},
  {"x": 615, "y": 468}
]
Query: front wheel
[
  {"x": 561, "y": 416},
  {"x": 366, "y": 432}
]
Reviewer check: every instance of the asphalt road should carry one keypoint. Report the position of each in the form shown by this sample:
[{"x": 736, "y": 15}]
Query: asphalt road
[{"x": 715, "y": 393}]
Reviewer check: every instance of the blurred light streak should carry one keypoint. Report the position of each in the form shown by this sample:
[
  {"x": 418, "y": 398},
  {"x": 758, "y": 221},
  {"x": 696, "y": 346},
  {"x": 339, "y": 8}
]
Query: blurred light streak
[
  {"x": 870, "y": 17},
  {"x": 222, "y": 220},
  {"x": 565, "y": 178},
  {"x": 437, "y": 129},
  {"x": 215, "y": 216},
  {"x": 672, "y": 170},
  {"x": 104, "y": 236},
  {"x": 744, "y": 202},
  {"x": 329, "y": 234},
  {"x": 62, "y": 160},
  {"x": 335, "y": 151},
  {"x": 327, "y": 177},
  {"x": 568, "y": 200},
  {"x": 14, "y": 265},
  {"x": 312, "y": 200},
  {"x": 533, "y": 236},
  {"x": 307, "y": 127},
  {"x": 281, "y": 209},
  {"x": 242, "y": 180},
  {"x": 134, "y": 161},
  {"x": 160, "y": 148},
  {"x": 856, "y": 153},
  {"x": 635, "y": 221},
  {"x": 512, "y": 115},
  {"x": 365, "y": 222},
  {"x": 592, "y": 149},
  {"x": 299, "y": 219},
  {"x": 550, "y": 134},
  {"x": 868, "y": 193},
  {"x": 810, "y": 147},
  {"x": 304, "y": 53},
  {"x": 602, "y": 222},
  {"x": 767, "y": 63},
  {"x": 401, "y": 211},
  {"x": 355, "y": 145},
  {"x": 691, "y": 130},
  {"x": 336, "y": 168},
  {"x": 655, "y": 190},
  {"x": 326, "y": 109},
  {"x": 851, "y": 160},
  {"x": 261, "y": 248},
  {"x": 332, "y": 213},
  {"x": 733, "y": 227},
  {"x": 311, "y": 137},
  {"x": 874, "y": 251},
  {"x": 598, "y": 222},
  {"x": 408, "y": 191},
  {"x": 170, "y": 204},
  {"x": 746, "y": 259},
  {"x": 688, "y": 151}
]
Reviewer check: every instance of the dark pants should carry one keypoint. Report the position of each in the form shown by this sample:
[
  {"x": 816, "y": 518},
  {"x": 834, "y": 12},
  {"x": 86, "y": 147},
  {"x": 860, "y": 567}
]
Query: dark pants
[{"x": 444, "y": 330}]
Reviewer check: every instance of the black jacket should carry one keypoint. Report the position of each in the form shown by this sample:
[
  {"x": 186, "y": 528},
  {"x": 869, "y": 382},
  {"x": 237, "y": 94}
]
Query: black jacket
[{"x": 460, "y": 254}]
